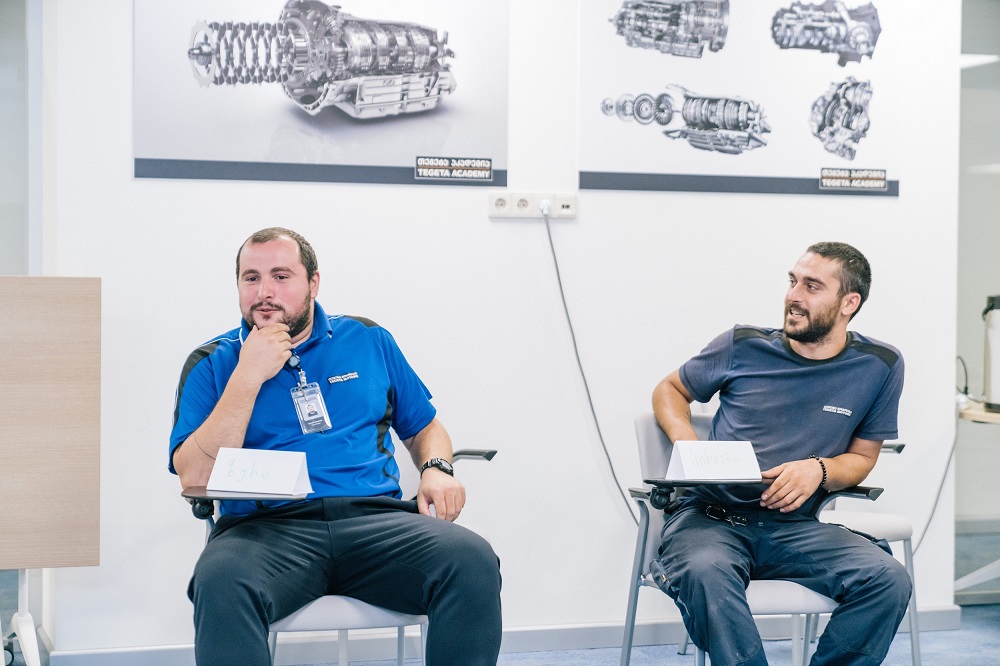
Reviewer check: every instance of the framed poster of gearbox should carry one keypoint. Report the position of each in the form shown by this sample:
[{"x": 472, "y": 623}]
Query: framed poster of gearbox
[
  {"x": 767, "y": 96},
  {"x": 378, "y": 91}
]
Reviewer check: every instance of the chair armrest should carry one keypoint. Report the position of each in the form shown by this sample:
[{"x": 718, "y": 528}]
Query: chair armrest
[
  {"x": 203, "y": 500},
  {"x": 893, "y": 447},
  {"x": 201, "y": 492},
  {"x": 473, "y": 454},
  {"x": 856, "y": 492},
  {"x": 640, "y": 493}
]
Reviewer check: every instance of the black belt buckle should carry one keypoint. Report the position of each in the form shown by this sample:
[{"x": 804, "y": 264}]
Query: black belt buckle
[{"x": 718, "y": 513}]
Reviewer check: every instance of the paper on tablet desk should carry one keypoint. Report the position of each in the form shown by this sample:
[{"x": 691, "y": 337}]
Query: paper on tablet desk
[
  {"x": 282, "y": 473},
  {"x": 732, "y": 461}
]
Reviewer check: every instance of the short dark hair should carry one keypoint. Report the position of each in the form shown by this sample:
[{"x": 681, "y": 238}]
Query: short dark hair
[
  {"x": 855, "y": 272},
  {"x": 306, "y": 252}
]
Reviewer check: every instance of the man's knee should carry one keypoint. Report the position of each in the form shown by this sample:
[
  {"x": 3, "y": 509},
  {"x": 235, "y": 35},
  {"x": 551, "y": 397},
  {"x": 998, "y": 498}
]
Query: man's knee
[
  {"x": 895, "y": 581},
  {"x": 474, "y": 556},
  {"x": 215, "y": 579},
  {"x": 468, "y": 570},
  {"x": 222, "y": 576}
]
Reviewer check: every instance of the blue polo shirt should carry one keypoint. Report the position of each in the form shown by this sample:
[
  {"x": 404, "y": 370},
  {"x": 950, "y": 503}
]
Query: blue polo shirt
[{"x": 367, "y": 385}]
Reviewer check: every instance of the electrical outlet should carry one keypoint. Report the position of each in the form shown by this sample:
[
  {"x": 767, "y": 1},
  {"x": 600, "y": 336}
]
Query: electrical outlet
[
  {"x": 526, "y": 205},
  {"x": 500, "y": 203}
]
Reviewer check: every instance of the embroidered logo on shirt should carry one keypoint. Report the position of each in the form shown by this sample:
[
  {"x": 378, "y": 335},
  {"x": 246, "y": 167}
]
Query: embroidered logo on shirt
[
  {"x": 342, "y": 378},
  {"x": 843, "y": 411}
]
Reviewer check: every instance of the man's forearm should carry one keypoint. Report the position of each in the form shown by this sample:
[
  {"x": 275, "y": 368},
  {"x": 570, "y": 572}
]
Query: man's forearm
[
  {"x": 846, "y": 470},
  {"x": 431, "y": 442},
  {"x": 226, "y": 426},
  {"x": 672, "y": 408}
]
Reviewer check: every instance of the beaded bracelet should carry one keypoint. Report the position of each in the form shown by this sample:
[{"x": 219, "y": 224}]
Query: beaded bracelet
[{"x": 823, "y": 466}]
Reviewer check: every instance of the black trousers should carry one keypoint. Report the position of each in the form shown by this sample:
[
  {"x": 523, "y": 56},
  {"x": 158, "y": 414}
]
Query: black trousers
[{"x": 257, "y": 569}]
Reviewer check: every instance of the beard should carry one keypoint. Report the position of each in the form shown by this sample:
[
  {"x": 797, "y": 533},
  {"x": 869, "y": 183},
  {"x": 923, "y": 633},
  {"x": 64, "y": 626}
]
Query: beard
[
  {"x": 815, "y": 329},
  {"x": 296, "y": 322}
]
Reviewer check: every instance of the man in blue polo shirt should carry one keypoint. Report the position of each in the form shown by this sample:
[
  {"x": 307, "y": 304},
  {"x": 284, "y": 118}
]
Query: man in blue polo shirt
[
  {"x": 816, "y": 401},
  {"x": 293, "y": 378}
]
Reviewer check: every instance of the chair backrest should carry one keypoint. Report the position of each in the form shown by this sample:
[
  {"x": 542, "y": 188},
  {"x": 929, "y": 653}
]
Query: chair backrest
[
  {"x": 654, "y": 456},
  {"x": 655, "y": 446}
]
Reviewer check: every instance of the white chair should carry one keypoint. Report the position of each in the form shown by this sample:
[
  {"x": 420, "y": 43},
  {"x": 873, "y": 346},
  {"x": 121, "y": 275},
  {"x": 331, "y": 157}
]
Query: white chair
[
  {"x": 336, "y": 612},
  {"x": 766, "y": 597},
  {"x": 343, "y": 614}
]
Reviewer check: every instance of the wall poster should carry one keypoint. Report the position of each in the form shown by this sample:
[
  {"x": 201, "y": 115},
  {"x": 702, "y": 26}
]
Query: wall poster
[
  {"x": 770, "y": 96},
  {"x": 368, "y": 91}
]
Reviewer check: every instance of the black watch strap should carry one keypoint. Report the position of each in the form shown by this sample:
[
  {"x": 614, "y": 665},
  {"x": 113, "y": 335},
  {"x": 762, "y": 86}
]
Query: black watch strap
[{"x": 439, "y": 463}]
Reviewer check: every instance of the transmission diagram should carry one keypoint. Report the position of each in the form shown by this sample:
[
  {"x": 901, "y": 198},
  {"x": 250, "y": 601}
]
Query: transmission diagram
[
  {"x": 324, "y": 57},
  {"x": 676, "y": 28},
  {"x": 839, "y": 117},
  {"x": 722, "y": 124},
  {"x": 830, "y": 28}
]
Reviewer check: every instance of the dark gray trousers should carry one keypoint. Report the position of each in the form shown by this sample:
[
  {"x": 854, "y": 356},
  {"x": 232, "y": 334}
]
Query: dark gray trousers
[
  {"x": 255, "y": 570},
  {"x": 709, "y": 564}
]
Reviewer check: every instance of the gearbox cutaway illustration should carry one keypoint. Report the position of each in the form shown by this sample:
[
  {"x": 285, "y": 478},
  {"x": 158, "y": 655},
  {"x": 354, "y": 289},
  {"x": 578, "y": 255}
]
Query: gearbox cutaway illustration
[
  {"x": 324, "y": 57},
  {"x": 676, "y": 28},
  {"x": 839, "y": 117},
  {"x": 830, "y": 28},
  {"x": 722, "y": 124}
]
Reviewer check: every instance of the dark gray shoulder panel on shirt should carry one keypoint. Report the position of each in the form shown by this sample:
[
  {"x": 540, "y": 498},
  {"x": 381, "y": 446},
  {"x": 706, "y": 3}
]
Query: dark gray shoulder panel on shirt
[
  {"x": 746, "y": 332},
  {"x": 888, "y": 356},
  {"x": 364, "y": 320},
  {"x": 193, "y": 359}
]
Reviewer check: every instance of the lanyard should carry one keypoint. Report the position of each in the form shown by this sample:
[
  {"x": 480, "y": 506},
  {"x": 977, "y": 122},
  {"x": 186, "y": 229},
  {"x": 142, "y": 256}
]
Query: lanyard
[{"x": 294, "y": 363}]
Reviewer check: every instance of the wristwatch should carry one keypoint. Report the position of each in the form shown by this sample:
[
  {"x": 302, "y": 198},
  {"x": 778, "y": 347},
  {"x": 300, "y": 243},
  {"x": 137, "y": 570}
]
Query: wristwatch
[{"x": 441, "y": 464}]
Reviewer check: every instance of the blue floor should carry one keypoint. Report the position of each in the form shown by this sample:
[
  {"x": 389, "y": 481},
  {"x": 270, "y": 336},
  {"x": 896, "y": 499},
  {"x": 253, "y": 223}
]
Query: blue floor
[{"x": 976, "y": 643}]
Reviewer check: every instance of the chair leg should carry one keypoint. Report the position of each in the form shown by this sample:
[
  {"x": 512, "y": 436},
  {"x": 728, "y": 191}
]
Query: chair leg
[
  {"x": 809, "y": 637},
  {"x": 342, "y": 647},
  {"x": 798, "y": 642},
  {"x": 423, "y": 642},
  {"x": 634, "y": 584},
  {"x": 914, "y": 619},
  {"x": 400, "y": 646},
  {"x": 699, "y": 656},
  {"x": 272, "y": 644},
  {"x": 682, "y": 647}
]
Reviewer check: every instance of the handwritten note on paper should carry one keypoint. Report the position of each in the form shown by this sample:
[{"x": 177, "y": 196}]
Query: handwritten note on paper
[
  {"x": 282, "y": 473},
  {"x": 713, "y": 461}
]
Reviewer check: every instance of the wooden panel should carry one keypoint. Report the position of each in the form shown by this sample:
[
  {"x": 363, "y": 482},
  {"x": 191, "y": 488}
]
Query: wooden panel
[{"x": 50, "y": 422}]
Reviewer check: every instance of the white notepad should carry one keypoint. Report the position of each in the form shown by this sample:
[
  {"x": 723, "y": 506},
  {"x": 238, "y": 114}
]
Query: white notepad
[
  {"x": 279, "y": 473},
  {"x": 713, "y": 461}
]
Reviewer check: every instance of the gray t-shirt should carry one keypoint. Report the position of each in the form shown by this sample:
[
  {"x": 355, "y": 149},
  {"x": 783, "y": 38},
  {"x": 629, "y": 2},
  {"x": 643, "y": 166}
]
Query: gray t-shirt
[{"x": 791, "y": 407}]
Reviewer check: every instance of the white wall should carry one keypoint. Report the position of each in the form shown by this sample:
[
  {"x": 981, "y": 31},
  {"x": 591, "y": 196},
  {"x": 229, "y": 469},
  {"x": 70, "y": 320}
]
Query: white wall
[{"x": 650, "y": 277}]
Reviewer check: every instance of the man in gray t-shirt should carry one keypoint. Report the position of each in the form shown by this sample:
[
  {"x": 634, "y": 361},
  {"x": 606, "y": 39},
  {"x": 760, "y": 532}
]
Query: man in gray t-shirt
[{"x": 816, "y": 401}]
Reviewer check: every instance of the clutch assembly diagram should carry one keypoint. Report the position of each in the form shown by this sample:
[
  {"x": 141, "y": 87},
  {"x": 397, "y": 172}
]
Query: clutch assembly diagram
[
  {"x": 723, "y": 124},
  {"x": 322, "y": 56}
]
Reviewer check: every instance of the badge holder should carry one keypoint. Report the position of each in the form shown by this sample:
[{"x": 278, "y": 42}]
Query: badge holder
[{"x": 309, "y": 406}]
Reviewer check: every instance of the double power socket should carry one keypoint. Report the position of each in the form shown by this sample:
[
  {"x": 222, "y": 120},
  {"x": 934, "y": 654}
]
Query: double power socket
[{"x": 501, "y": 203}]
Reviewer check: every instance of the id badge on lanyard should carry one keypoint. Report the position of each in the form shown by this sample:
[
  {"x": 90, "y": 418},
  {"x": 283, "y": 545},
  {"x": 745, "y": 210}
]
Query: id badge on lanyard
[{"x": 309, "y": 404}]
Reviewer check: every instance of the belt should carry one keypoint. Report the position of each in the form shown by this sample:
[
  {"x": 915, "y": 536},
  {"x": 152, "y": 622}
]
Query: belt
[{"x": 718, "y": 513}]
